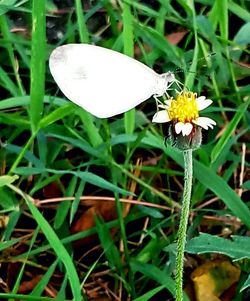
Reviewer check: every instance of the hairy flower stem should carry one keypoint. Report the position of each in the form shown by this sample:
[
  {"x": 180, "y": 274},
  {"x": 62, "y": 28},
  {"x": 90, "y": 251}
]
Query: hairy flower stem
[{"x": 182, "y": 232}]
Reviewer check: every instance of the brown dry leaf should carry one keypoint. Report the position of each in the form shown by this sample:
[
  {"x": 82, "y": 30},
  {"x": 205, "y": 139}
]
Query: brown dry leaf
[
  {"x": 213, "y": 278},
  {"x": 4, "y": 219},
  {"x": 175, "y": 37},
  {"x": 105, "y": 209},
  {"x": 28, "y": 286},
  {"x": 52, "y": 190}
]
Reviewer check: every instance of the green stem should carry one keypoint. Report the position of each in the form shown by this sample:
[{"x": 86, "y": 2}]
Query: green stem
[{"x": 188, "y": 176}]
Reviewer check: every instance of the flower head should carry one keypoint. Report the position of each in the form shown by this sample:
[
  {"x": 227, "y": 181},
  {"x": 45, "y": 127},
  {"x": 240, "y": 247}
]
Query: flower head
[{"x": 183, "y": 112}]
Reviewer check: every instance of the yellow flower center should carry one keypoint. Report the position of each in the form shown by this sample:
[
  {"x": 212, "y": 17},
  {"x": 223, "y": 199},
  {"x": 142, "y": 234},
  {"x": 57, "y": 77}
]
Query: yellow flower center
[{"x": 184, "y": 108}]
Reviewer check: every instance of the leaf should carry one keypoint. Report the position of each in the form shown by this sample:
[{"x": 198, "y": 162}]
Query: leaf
[
  {"x": 229, "y": 130},
  {"x": 7, "y": 244},
  {"x": 6, "y": 5},
  {"x": 246, "y": 284},
  {"x": 237, "y": 248},
  {"x": 84, "y": 175},
  {"x": 37, "y": 291},
  {"x": 242, "y": 37},
  {"x": 150, "y": 294},
  {"x": 106, "y": 210},
  {"x": 59, "y": 249},
  {"x": 156, "y": 274},
  {"x": 57, "y": 114},
  {"x": 213, "y": 278},
  {"x": 151, "y": 212},
  {"x": 21, "y": 101},
  {"x": 246, "y": 185},
  {"x": 109, "y": 247},
  {"x": 5, "y": 180}
]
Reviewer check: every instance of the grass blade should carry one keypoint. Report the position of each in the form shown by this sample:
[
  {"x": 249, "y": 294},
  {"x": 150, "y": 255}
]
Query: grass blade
[
  {"x": 229, "y": 131},
  {"x": 38, "y": 54},
  {"x": 59, "y": 249}
]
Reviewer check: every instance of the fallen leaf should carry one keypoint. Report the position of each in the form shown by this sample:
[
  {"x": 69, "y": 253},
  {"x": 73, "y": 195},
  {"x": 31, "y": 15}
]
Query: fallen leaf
[
  {"x": 175, "y": 37},
  {"x": 28, "y": 286},
  {"x": 213, "y": 278},
  {"x": 105, "y": 209}
]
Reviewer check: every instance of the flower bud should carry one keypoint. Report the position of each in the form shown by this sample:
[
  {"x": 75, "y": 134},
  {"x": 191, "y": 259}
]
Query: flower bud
[{"x": 182, "y": 143}]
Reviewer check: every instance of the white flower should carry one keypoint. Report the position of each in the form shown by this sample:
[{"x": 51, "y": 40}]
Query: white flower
[{"x": 184, "y": 113}]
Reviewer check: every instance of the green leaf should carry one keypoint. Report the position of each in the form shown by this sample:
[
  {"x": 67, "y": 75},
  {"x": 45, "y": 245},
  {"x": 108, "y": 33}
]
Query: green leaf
[
  {"x": 39, "y": 288},
  {"x": 246, "y": 185},
  {"x": 57, "y": 114},
  {"x": 237, "y": 248},
  {"x": 156, "y": 274},
  {"x": 110, "y": 249},
  {"x": 27, "y": 297},
  {"x": 242, "y": 37},
  {"x": 229, "y": 130},
  {"x": 38, "y": 55},
  {"x": 82, "y": 26},
  {"x": 84, "y": 175},
  {"x": 20, "y": 101},
  {"x": 150, "y": 294},
  {"x": 59, "y": 249},
  {"x": 7, "y": 244},
  {"x": 246, "y": 284},
  {"x": 5, "y": 180},
  {"x": 6, "y": 5}
]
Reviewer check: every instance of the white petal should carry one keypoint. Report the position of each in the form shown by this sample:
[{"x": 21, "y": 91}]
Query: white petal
[
  {"x": 205, "y": 122},
  {"x": 161, "y": 117},
  {"x": 185, "y": 128},
  {"x": 178, "y": 127},
  {"x": 203, "y": 103}
]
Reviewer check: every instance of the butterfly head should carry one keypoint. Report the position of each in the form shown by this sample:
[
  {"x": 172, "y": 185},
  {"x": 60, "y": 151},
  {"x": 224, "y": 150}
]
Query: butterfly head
[{"x": 164, "y": 82}]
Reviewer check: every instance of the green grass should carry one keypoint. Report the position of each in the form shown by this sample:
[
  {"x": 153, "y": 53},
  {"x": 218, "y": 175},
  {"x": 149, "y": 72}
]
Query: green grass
[{"x": 58, "y": 150}]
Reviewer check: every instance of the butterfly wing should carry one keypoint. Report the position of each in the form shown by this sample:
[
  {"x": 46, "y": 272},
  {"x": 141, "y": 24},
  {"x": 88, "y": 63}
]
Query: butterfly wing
[{"x": 102, "y": 81}]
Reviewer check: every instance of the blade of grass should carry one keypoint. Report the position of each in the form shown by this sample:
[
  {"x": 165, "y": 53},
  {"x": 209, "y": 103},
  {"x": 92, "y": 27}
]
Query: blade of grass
[
  {"x": 128, "y": 42},
  {"x": 189, "y": 82},
  {"x": 27, "y": 297},
  {"x": 21, "y": 101},
  {"x": 156, "y": 274},
  {"x": 223, "y": 23},
  {"x": 109, "y": 247},
  {"x": 21, "y": 272},
  {"x": 112, "y": 16},
  {"x": 150, "y": 294},
  {"x": 7, "y": 244},
  {"x": 231, "y": 127},
  {"x": 56, "y": 244},
  {"x": 22, "y": 153},
  {"x": 84, "y": 175},
  {"x": 37, "y": 72},
  {"x": 39, "y": 288},
  {"x": 57, "y": 114},
  {"x": 90, "y": 128},
  {"x": 82, "y": 28},
  {"x": 239, "y": 11},
  {"x": 7, "y": 83},
  {"x": 7, "y": 36}
]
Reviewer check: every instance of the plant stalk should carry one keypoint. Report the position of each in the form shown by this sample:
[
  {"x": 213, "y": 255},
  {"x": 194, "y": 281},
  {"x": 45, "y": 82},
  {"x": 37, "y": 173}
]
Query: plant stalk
[{"x": 182, "y": 232}]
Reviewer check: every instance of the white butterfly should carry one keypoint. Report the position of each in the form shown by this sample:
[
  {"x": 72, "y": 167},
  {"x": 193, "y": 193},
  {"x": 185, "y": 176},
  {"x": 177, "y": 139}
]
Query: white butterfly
[{"x": 105, "y": 82}]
